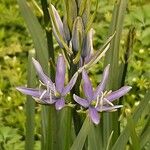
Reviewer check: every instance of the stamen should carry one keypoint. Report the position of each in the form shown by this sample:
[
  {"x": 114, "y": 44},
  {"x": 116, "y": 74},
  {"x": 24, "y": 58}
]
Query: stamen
[
  {"x": 107, "y": 101},
  {"x": 97, "y": 101},
  {"x": 41, "y": 82},
  {"x": 43, "y": 93},
  {"x": 55, "y": 92},
  {"x": 101, "y": 101}
]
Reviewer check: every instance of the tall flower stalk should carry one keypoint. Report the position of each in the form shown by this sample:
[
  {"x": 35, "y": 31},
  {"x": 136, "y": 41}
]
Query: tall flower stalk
[{"x": 74, "y": 35}]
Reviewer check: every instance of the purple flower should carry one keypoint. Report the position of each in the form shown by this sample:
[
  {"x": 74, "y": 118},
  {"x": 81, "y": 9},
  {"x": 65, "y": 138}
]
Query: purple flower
[
  {"x": 53, "y": 92},
  {"x": 97, "y": 100}
]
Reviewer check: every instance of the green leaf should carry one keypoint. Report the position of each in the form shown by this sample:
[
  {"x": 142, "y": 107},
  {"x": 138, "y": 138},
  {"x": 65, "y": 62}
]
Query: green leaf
[
  {"x": 110, "y": 120},
  {"x": 94, "y": 141},
  {"x": 124, "y": 136},
  {"x": 91, "y": 19},
  {"x": 80, "y": 139},
  {"x": 134, "y": 137},
  {"x": 36, "y": 32},
  {"x": 30, "y": 105}
]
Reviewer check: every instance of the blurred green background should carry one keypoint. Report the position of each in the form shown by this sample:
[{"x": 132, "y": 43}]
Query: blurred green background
[{"x": 15, "y": 43}]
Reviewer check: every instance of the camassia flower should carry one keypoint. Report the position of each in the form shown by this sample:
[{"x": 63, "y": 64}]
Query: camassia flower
[
  {"x": 53, "y": 92},
  {"x": 97, "y": 100}
]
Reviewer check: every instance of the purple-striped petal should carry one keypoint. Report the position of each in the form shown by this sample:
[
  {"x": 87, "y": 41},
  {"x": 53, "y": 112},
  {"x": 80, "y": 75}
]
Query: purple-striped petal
[
  {"x": 77, "y": 32},
  {"x": 108, "y": 108},
  {"x": 94, "y": 115},
  {"x": 119, "y": 93},
  {"x": 45, "y": 101},
  {"x": 45, "y": 79},
  {"x": 81, "y": 101},
  {"x": 87, "y": 86},
  {"x": 87, "y": 48},
  {"x": 102, "y": 85},
  {"x": 70, "y": 85},
  {"x": 60, "y": 74},
  {"x": 32, "y": 92},
  {"x": 59, "y": 25},
  {"x": 60, "y": 104}
]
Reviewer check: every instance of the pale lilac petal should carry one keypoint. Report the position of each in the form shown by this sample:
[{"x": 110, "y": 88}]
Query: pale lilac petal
[
  {"x": 45, "y": 79},
  {"x": 77, "y": 33},
  {"x": 45, "y": 101},
  {"x": 119, "y": 93},
  {"x": 60, "y": 103},
  {"x": 60, "y": 74},
  {"x": 100, "y": 88},
  {"x": 87, "y": 86},
  {"x": 81, "y": 101},
  {"x": 108, "y": 108},
  {"x": 70, "y": 85},
  {"x": 31, "y": 91},
  {"x": 59, "y": 25},
  {"x": 87, "y": 47},
  {"x": 66, "y": 30},
  {"x": 94, "y": 115}
]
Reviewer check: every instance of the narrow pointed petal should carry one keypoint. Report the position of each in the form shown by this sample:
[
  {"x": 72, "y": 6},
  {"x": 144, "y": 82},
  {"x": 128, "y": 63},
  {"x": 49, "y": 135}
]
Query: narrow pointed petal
[
  {"x": 95, "y": 117},
  {"x": 102, "y": 85},
  {"x": 87, "y": 86},
  {"x": 87, "y": 48},
  {"x": 31, "y": 91},
  {"x": 119, "y": 93},
  {"x": 45, "y": 79},
  {"x": 44, "y": 101},
  {"x": 60, "y": 104},
  {"x": 81, "y": 101},
  {"x": 70, "y": 84},
  {"x": 77, "y": 33},
  {"x": 59, "y": 25},
  {"x": 108, "y": 108},
  {"x": 66, "y": 30},
  {"x": 60, "y": 74}
]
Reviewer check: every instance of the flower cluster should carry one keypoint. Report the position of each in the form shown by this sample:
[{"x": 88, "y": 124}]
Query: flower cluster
[
  {"x": 55, "y": 93},
  {"x": 75, "y": 36}
]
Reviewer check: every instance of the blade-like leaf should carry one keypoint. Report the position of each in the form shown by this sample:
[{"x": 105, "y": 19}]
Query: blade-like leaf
[
  {"x": 124, "y": 136},
  {"x": 36, "y": 32},
  {"x": 80, "y": 139},
  {"x": 30, "y": 105},
  {"x": 134, "y": 137},
  {"x": 110, "y": 122}
]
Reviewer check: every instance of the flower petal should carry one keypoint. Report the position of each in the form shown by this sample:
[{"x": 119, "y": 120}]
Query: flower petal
[
  {"x": 60, "y": 74},
  {"x": 60, "y": 104},
  {"x": 44, "y": 101},
  {"x": 59, "y": 25},
  {"x": 77, "y": 33},
  {"x": 70, "y": 84},
  {"x": 108, "y": 108},
  {"x": 94, "y": 115},
  {"x": 102, "y": 85},
  {"x": 87, "y": 48},
  {"x": 87, "y": 86},
  {"x": 30, "y": 91},
  {"x": 81, "y": 101},
  {"x": 45, "y": 79},
  {"x": 119, "y": 93}
]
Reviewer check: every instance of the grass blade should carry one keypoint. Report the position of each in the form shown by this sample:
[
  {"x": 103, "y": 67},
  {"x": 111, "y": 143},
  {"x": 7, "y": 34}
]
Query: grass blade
[
  {"x": 36, "y": 32},
  {"x": 49, "y": 114},
  {"x": 124, "y": 136},
  {"x": 81, "y": 138},
  {"x": 30, "y": 105},
  {"x": 110, "y": 120}
]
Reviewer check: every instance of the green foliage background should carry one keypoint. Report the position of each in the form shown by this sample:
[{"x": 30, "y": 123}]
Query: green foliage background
[{"x": 15, "y": 42}]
